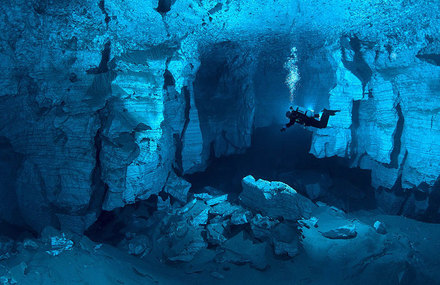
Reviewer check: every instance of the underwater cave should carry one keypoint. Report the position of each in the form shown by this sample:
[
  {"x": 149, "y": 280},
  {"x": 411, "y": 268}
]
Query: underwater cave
[{"x": 222, "y": 142}]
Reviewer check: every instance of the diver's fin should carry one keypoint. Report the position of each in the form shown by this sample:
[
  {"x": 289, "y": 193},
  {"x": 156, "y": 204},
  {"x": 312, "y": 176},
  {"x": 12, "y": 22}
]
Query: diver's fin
[{"x": 331, "y": 112}]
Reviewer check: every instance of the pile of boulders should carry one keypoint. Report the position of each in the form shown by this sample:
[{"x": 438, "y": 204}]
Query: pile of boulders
[
  {"x": 51, "y": 242},
  {"x": 209, "y": 227},
  {"x": 210, "y": 231}
]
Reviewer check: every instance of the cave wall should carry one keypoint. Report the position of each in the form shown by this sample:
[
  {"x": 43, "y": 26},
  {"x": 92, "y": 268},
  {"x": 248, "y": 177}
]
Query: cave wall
[
  {"x": 98, "y": 102},
  {"x": 102, "y": 100},
  {"x": 389, "y": 120},
  {"x": 225, "y": 99}
]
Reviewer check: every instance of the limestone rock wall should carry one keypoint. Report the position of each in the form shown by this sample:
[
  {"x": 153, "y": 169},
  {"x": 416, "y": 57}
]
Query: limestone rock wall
[
  {"x": 98, "y": 104},
  {"x": 389, "y": 115},
  {"x": 101, "y": 100}
]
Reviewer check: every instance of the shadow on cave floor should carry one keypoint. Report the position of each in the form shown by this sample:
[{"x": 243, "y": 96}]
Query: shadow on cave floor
[{"x": 285, "y": 157}]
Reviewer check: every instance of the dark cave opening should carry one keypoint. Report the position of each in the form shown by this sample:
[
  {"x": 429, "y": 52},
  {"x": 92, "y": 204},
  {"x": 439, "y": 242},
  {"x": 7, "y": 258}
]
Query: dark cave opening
[
  {"x": 224, "y": 98},
  {"x": 12, "y": 224},
  {"x": 105, "y": 58},
  {"x": 277, "y": 156},
  {"x": 110, "y": 225},
  {"x": 397, "y": 138},
  {"x": 164, "y": 6}
]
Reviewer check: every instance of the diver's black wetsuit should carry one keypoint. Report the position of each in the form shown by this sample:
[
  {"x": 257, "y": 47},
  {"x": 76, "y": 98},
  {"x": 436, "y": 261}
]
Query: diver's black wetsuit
[{"x": 313, "y": 121}]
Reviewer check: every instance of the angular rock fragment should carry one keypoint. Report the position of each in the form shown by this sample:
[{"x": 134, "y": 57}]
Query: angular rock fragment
[
  {"x": 224, "y": 209},
  {"x": 215, "y": 233},
  {"x": 59, "y": 244},
  {"x": 6, "y": 280},
  {"x": 196, "y": 212},
  {"x": 138, "y": 245},
  {"x": 217, "y": 275},
  {"x": 344, "y": 232},
  {"x": 274, "y": 199},
  {"x": 177, "y": 187},
  {"x": 163, "y": 205},
  {"x": 30, "y": 244},
  {"x": 217, "y": 200},
  {"x": 240, "y": 217},
  {"x": 180, "y": 243},
  {"x": 285, "y": 249},
  {"x": 203, "y": 196},
  {"x": 187, "y": 207},
  {"x": 380, "y": 228},
  {"x": 217, "y": 220},
  {"x": 309, "y": 223},
  {"x": 179, "y": 235},
  {"x": 262, "y": 226},
  {"x": 198, "y": 215}
]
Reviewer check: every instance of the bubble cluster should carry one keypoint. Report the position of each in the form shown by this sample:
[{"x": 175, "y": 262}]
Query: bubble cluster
[{"x": 293, "y": 75}]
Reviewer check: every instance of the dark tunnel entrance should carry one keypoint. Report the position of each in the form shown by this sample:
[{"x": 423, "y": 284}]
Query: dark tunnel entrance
[
  {"x": 164, "y": 6},
  {"x": 277, "y": 156}
]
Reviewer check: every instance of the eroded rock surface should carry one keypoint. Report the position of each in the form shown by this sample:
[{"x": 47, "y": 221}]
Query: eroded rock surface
[
  {"x": 100, "y": 101},
  {"x": 388, "y": 122},
  {"x": 274, "y": 199}
]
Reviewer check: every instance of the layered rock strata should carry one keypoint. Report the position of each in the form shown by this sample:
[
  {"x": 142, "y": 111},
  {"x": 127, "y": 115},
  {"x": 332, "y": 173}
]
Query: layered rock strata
[{"x": 100, "y": 101}]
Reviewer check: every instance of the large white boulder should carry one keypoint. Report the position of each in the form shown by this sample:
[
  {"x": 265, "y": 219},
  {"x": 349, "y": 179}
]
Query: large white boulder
[{"x": 274, "y": 199}]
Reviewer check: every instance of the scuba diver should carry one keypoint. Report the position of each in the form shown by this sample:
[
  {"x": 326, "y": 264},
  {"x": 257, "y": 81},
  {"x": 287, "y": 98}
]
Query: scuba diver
[{"x": 308, "y": 118}]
